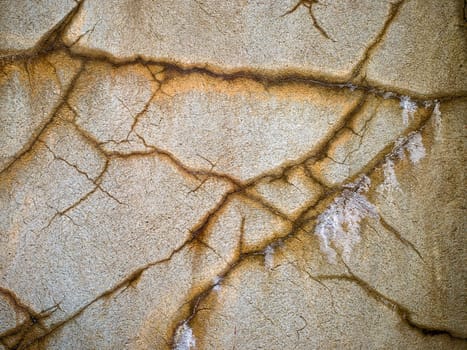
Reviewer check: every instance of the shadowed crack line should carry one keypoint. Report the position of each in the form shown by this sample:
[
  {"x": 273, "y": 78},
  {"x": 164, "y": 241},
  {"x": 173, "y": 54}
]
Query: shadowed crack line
[
  {"x": 202, "y": 227},
  {"x": 393, "y": 12},
  {"x": 298, "y": 223},
  {"x": 38, "y": 133},
  {"x": 128, "y": 281},
  {"x": 195, "y": 233},
  {"x": 404, "y": 314},
  {"x": 134, "y": 276},
  {"x": 32, "y": 324},
  {"x": 267, "y": 79},
  {"x": 316, "y": 154},
  {"x": 396, "y": 233},
  {"x": 309, "y": 5},
  {"x": 297, "y": 227}
]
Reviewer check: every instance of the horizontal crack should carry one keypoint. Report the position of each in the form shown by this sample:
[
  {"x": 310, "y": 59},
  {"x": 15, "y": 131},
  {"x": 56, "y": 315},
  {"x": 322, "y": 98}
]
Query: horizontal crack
[{"x": 266, "y": 79}]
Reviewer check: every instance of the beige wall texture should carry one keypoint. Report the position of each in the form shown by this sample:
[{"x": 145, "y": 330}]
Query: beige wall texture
[{"x": 245, "y": 174}]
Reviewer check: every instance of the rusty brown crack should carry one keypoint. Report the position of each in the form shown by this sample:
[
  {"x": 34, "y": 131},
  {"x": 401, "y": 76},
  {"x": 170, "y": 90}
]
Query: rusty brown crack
[
  {"x": 298, "y": 226},
  {"x": 399, "y": 236},
  {"x": 318, "y": 152},
  {"x": 309, "y": 5},
  {"x": 133, "y": 277},
  {"x": 266, "y": 79},
  {"x": 37, "y": 135},
  {"x": 195, "y": 173},
  {"x": 387, "y": 152},
  {"x": 393, "y": 13},
  {"x": 201, "y": 296},
  {"x": 404, "y": 314},
  {"x": 49, "y": 45},
  {"x": 198, "y": 230},
  {"x": 196, "y": 233},
  {"x": 31, "y": 326},
  {"x": 27, "y": 340}
]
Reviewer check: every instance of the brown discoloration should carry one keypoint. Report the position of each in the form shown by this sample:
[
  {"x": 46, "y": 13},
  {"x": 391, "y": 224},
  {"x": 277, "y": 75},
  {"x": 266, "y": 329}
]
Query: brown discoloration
[
  {"x": 167, "y": 79},
  {"x": 297, "y": 228},
  {"x": 33, "y": 325},
  {"x": 358, "y": 71},
  {"x": 199, "y": 231},
  {"x": 309, "y": 5}
]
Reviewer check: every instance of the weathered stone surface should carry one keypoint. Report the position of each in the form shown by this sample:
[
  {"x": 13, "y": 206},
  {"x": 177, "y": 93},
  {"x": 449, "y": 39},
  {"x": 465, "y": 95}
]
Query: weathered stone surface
[
  {"x": 24, "y": 24},
  {"x": 424, "y": 264},
  {"x": 80, "y": 219},
  {"x": 233, "y": 35},
  {"x": 241, "y": 123},
  {"x": 424, "y": 51},
  {"x": 30, "y": 92},
  {"x": 374, "y": 127},
  {"x": 203, "y": 175},
  {"x": 291, "y": 194},
  {"x": 285, "y": 308},
  {"x": 107, "y": 102}
]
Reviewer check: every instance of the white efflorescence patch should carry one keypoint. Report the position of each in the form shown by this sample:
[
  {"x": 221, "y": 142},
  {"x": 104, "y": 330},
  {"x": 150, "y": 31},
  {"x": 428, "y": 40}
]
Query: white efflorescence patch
[
  {"x": 437, "y": 119},
  {"x": 269, "y": 257},
  {"x": 339, "y": 225},
  {"x": 217, "y": 284},
  {"x": 412, "y": 144},
  {"x": 390, "y": 182},
  {"x": 409, "y": 108},
  {"x": 415, "y": 148},
  {"x": 184, "y": 338}
]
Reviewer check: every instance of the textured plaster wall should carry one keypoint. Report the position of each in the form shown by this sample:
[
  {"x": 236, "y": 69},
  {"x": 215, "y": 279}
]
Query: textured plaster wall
[{"x": 243, "y": 174}]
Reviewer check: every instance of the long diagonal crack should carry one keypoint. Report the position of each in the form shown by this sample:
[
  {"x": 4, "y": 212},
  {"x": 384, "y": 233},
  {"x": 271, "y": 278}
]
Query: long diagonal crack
[
  {"x": 37, "y": 135},
  {"x": 404, "y": 313},
  {"x": 32, "y": 331},
  {"x": 397, "y": 234},
  {"x": 393, "y": 12},
  {"x": 199, "y": 230}
]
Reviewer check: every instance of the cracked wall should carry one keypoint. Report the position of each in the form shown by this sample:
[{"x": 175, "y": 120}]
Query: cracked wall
[{"x": 232, "y": 175}]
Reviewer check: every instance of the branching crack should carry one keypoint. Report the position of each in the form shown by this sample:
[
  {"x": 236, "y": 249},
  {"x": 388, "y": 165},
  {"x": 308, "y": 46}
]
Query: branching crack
[
  {"x": 309, "y": 5},
  {"x": 32, "y": 325},
  {"x": 297, "y": 227},
  {"x": 36, "y": 137},
  {"x": 33, "y": 330}
]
